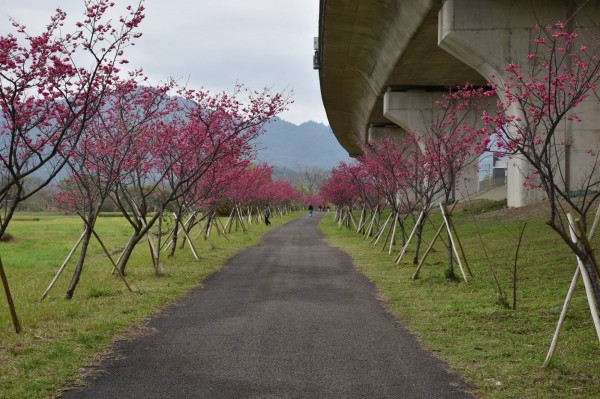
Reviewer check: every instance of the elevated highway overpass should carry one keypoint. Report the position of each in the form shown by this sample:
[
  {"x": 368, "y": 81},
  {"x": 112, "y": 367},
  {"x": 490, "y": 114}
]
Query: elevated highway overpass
[{"x": 382, "y": 63}]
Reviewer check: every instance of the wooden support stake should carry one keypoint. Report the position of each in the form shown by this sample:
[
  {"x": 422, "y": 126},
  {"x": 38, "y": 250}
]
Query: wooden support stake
[
  {"x": 388, "y": 233},
  {"x": 436, "y": 228},
  {"x": 363, "y": 213},
  {"x": 200, "y": 230},
  {"x": 178, "y": 223},
  {"x": 462, "y": 251},
  {"x": 380, "y": 233},
  {"x": 371, "y": 224},
  {"x": 393, "y": 238},
  {"x": 588, "y": 290},
  {"x": 595, "y": 224},
  {"x": 168, "y": 242},
  {"x": 111, "y": 260},
  {"x": 412, "y": 233},
  {"x": 229, "y": 220},
  {"x": 587, "y": 246},
  {"x": 11, "y": 304},
  {"x": 189, "y": 226},
  {"x": 199, "y": 223},
  {"x": 217, "y": 222},
  {"x": 449, "y": 229},
  {"x": 352, "y": 218},
  {"x": 158, "y": 268},
  {"x": 561, "y": 319},
  {"x": 373, "y": 229},
  {"x": 62, "y": 267},
  {"x": 240, "y": 220},
  {"x": 190, "y": 243},
  {"x": 430, "y": 247},
  {"x": 104, "y": 247}
]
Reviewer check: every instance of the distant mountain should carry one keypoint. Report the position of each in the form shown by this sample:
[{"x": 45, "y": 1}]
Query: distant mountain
[{"x": 288, "y": 146}]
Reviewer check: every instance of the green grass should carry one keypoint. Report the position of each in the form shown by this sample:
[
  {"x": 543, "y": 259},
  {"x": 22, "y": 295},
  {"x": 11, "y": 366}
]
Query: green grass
[
  {"x": 499, "y": 351},
  {"x": 62, "y": 337}
]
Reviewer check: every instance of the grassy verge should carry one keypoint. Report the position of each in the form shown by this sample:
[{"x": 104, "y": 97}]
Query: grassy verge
[
  {"x": 499, "y": 351},
  {"x": 62, "y": 337}
]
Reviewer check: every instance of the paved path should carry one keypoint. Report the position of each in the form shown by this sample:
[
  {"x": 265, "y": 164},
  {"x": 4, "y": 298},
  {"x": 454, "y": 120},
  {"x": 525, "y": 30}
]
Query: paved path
[{"x": 290, "y": 318}]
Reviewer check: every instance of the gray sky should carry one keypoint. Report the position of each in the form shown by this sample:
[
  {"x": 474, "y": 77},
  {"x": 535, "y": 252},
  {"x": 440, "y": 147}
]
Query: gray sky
[{"x": 214, "y": 44}]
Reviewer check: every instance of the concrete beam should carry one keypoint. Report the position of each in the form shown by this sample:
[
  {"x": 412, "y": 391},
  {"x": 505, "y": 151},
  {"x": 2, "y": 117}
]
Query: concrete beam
[{"x": 412, "y": 111}]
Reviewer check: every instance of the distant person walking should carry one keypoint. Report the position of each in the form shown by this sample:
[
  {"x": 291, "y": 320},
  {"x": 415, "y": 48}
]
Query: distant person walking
[
  {"x": 267, "y": 215},
  {"x": 310, "y": 210}
]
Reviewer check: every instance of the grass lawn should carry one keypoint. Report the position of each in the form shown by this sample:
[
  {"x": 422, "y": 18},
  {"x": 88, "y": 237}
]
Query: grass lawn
[
  {"x": 499, "y": 351},
  {"x": 62, "y": 337}
]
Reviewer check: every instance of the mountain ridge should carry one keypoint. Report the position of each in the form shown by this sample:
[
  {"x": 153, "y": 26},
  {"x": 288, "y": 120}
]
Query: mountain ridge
[{"x": 287, "y": 145}]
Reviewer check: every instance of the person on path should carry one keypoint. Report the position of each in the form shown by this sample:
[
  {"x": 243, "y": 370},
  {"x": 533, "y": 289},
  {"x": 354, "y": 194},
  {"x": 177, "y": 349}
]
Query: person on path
[
  {"x": 310, "y": 210},
  {"x": 267, "y": 215}
]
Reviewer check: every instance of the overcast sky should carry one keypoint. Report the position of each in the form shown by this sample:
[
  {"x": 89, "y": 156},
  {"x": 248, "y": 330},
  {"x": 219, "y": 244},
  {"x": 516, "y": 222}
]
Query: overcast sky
[{"x": 215, "y": 43}]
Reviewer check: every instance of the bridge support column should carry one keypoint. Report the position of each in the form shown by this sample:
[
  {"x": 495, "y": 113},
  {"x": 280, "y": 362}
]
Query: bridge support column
[
  {"x": 487, "y": 34},
  {"x": 414, "y": 111}
]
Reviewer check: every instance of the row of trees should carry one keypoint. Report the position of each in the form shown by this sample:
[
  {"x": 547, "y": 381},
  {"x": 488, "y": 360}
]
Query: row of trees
[
  {"x": 408, "y": 174},
  {"x": 66, "y": 104},
  {"x": 534, "y": 103}
]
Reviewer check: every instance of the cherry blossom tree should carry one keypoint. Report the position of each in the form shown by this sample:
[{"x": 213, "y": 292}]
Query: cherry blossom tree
[
  {"x": 51, "y": 85},
  {"x": 340, "y": 190},
  {"x": 282, "y": 195},
  {"x": 368, "y": 194},
  {"x": 388, "y": 172},
  {"x": 451, "y": 143},
  {"x": 102, "y": 157},
  {"x": 247, "y": 189},
  {"x": 423, "y": 183},
  {"x": 453, "y": 140},
  {"x": 538, "y": 99}
]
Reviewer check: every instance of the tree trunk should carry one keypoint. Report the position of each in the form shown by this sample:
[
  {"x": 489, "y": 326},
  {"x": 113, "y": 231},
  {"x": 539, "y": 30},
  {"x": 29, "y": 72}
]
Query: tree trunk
[
  {"x": 175, "y": 235},
  {"x": 11, "y": 305},
  {"x": 79, "y": 267},
  {"x": 135, "y": 238},
  {"x": 402, "y": 228},
  {"x": 191, "y": 223},
  {"x": 584, "y": 252},
  {"x": 419, "y": 233},
  {"x": 594, "y": 279},
  {"x": 207, "y": 226},
  {"x": 7, "y": 217}
]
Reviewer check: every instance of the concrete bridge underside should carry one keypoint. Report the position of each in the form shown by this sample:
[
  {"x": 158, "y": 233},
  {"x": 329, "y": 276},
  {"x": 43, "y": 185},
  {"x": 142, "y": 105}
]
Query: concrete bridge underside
[
  {"x": 371, "y": 49},
  {"x": 368, "y": 47}
]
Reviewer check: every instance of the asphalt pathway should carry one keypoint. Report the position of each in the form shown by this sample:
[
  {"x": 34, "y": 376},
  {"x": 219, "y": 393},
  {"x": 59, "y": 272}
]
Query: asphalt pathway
[{"x": 290, "y": 318}]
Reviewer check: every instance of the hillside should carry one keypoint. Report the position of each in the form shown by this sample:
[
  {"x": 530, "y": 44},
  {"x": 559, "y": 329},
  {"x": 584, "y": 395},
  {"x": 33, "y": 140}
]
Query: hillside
[{"x": 285, "y": 145}]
